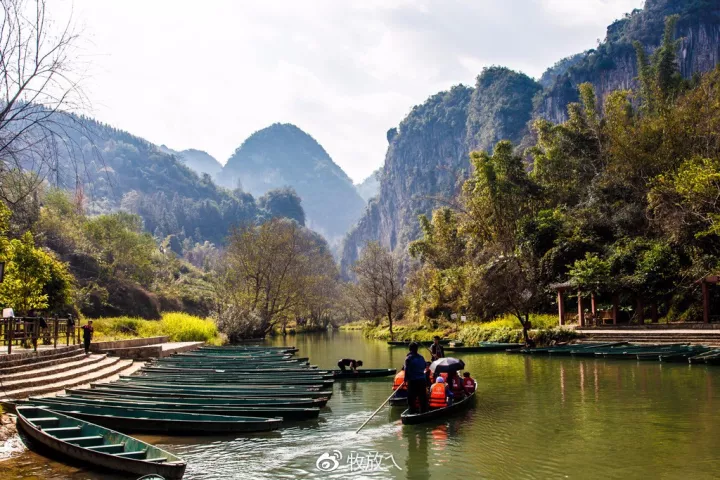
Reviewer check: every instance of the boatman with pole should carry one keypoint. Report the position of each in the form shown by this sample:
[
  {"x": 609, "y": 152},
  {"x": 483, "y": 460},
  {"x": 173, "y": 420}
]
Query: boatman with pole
[
  {"x": 436, "y": 350},
  {"x": 416, "y": 380}
]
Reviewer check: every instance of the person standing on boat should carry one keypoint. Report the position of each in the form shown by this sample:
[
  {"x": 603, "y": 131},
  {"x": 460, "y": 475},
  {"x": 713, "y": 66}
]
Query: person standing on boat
[
  {"x": 436, "y": 350},
  {"x": 349, "y": 362},
  {"x": 415, "y": 379},
  {"x": 87, "y": 336}
]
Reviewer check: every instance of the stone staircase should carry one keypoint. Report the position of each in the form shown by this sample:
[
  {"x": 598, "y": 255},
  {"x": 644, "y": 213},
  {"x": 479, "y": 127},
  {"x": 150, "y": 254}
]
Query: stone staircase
[
  {"x": 48, "y": 371},
  {"x": 709, "y": 337}
]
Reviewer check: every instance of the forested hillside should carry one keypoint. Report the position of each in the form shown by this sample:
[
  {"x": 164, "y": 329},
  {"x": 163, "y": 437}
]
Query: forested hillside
[
  {"x": 424, "y": 169},
  {"x": 282, "y": 155}
]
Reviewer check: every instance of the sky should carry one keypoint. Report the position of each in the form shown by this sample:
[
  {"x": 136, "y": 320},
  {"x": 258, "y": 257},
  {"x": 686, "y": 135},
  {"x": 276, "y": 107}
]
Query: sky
[{"x": 206, "y": 75}]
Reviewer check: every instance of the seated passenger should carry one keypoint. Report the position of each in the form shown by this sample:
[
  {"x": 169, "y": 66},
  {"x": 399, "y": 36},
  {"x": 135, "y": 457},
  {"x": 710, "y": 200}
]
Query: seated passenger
[
  {"x": 439, "y": 394},
  {"x": 399, "y": 384},
  {"x": 468, "y": 383},
  {"x": 349, "y": 362}
]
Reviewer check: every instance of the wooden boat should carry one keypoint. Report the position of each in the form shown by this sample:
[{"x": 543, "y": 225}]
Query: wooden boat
[
  {"x": 240, "y": 383},
  {"x": 408, "y": 418},
  {"x": 96, "y": 446},
  {"x": 173, "y": 392},
  {"x": 485, "y": 347},
  {"x": 230, "y": 371},
  {"x": 398, "y": 401},
  {"x": 228, "y": 379},
  {"x": 405, "y": 343},
  {"x": 139, "y": 420},
  {"x": 244, "y": 401},
  {"x": 363, "y": 373},
  {"x": 287, "y": 413},
  {"x": 701, "y": 357}
]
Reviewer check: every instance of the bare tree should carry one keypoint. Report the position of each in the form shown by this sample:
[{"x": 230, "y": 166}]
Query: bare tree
[
  {"x": 379, "y": 281},
  {"x": 38, "y": 87}
]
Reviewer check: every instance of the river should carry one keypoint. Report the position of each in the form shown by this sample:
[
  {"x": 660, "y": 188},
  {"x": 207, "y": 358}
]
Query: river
[{"x": 534, "y": 417}]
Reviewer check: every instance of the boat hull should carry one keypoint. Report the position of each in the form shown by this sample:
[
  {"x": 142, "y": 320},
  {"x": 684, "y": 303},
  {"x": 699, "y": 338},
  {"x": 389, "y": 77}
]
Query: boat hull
[{"x": 408, "y": 418}]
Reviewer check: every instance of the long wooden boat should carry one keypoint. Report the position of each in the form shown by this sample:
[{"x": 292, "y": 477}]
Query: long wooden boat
[
  {"x": 230, "y": 379},
  {"x": 398, "y": 401},
  {"x": 405, "y": 343},
  {"x": 140, "y": 420},
  {"x": 485, "y": 347},
  {"x": 700, "y": 358},
  {"x": 363, "y": 373},
  {"x": 244, "y": 401},
  {"x": 171, "y": 392},
  {"x": 288, "y": 414},
  {"x": 261, "y": 383},
  {"x": 206, "y": 394},
  {"x": 408, "y": 418},
  {"x": 96, "y": 446},
  {"x": 250, "y": 348},
  {"x": 231, "y": 371},
  {"x": 222, "y": 387}
]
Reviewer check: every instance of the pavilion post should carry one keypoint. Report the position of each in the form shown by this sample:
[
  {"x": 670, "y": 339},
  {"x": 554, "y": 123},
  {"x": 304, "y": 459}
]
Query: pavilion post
[
  {"x": 706, "y": 301},
  {"x": 654, "y": 312},
  {"x": 615, "y": 309},
  {"x": 581, "y": 311},
  {"x": 593, "y": 304},
  {"x": 561, "y": 306}
]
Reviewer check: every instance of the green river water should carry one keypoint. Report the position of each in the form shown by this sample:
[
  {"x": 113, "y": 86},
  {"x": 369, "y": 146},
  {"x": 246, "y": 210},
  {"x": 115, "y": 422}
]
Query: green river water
[{"x": 535, "y": 417}]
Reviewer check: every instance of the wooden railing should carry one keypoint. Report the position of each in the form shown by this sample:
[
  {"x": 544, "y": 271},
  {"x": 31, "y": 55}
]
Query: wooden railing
[{"x": 25, "y": 331}]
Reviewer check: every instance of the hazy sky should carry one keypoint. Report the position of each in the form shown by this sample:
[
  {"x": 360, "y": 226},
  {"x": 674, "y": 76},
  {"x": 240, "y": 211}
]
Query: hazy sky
[{"x": 208, "y": 74}]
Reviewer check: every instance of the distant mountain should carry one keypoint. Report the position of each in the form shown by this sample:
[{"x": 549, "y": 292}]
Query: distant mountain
[
  {"x": 283, "y": 155},
  {"x": 116, "y": 170},
  {"x": 198, "y": 161},
  {"x": 369, "y": 187}
]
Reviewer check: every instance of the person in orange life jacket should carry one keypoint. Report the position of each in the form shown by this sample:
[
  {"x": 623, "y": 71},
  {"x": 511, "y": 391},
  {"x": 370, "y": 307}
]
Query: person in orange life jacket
[
  {"x": 349, "y": 362},
  {"x": 415, "y": 380},
  {"x": 399, "y": 384},
  {"x": 429, "y": 375},
  {"x": 468, "y": 383},
  {"x": 455, "y": 384},
  {"x": 439, "y": 394}
]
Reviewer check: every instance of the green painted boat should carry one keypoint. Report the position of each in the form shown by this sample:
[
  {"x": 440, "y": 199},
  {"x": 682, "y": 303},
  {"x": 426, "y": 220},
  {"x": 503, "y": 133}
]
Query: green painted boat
[
  {"x": 287, "y": 414},
  {"x": 217, "y": 387},
  {"x": 399, "y": 400},
  {"x": 701, "y": 357},
  {"x": 238, "y": 401},
  {"x": 231, "y": 379},
  {"x": 363, "y": 373},
  {"x": 172, "y": 392},
  {"x": 139, "y": 420},
  {"x": 485, "y": 347},
  {"x": 95, "y": 446},
  {"x": 264, "y": 382},
  {"x": 284, "y": 371},
  {"x": 405, "y": 343},
  {"x": 408, "y": 418}
]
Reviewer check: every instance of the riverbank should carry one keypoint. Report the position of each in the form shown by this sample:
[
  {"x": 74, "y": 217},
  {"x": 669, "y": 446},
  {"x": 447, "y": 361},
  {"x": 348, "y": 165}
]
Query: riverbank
[
  {"x": 179, "y": 327},
  {"x": 506, "y": 329}
]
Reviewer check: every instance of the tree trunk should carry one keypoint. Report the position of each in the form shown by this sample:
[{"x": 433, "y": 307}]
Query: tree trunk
[
  {"x": 526, "y": 326},
  {"x": 390, "y": 323}
]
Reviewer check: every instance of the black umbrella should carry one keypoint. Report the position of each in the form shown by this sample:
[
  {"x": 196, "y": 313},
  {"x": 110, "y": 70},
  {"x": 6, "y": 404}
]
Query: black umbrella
[{"x": 446, "y": 365}]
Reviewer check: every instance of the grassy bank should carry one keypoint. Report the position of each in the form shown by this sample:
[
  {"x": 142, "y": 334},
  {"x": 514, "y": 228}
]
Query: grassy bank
[
  {"x": 505, "y": 329},
  {"x": 180, "y": 327}
]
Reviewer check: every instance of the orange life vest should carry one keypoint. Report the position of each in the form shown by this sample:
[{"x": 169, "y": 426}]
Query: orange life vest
[
  {"x": 438, "y": 397},
  {"x": 469, "y": 385},
  {"x": 456, "y": 386},
  {"x": 444, "y": 375},
  {"x": 399, "y": 381}
]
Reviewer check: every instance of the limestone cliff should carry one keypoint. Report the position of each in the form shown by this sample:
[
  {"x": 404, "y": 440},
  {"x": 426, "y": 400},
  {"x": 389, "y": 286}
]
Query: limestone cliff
[{"x": 613, "y": 65}]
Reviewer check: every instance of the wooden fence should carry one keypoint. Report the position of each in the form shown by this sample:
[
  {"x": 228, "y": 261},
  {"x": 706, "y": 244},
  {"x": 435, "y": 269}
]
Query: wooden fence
[{"x": 25, "y": 331}]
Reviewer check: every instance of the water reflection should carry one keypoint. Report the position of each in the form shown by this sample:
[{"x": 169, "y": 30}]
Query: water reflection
[{"x": 417, "y": 465}]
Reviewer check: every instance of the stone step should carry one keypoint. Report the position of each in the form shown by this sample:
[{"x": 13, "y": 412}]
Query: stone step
[
  {"x": 116, "y": 367},
  {"x": 73, "y": 363},
  {"x": 44, "y": 363},
  {"x": 42, "y": 355},
  {"x": 96, "y": 363}
]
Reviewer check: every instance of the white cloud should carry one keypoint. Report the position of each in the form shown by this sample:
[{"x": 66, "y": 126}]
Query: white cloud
[{"x": 208, "y": 74}]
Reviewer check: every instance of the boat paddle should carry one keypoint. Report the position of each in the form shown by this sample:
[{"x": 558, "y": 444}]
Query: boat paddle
[{"x": 375, "y": 412}]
